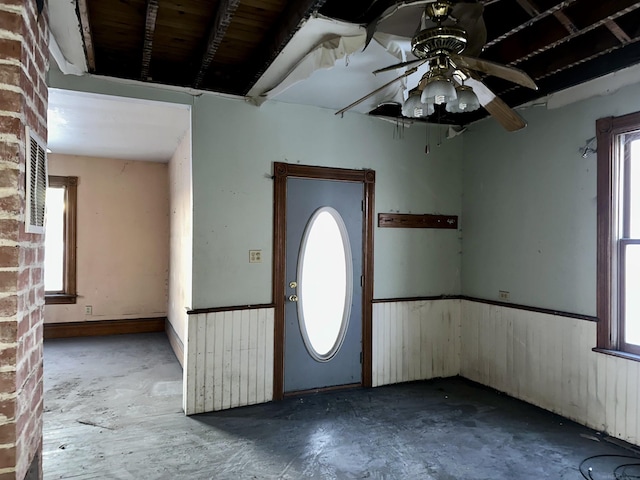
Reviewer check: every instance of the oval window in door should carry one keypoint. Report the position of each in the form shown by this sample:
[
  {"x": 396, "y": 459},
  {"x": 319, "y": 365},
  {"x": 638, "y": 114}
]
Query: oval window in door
[{"x": 325, "y": 283}]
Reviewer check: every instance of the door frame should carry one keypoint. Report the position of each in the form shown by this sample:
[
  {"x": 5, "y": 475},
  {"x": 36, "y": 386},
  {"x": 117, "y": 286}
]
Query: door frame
[{"x": 283, "y": 171}]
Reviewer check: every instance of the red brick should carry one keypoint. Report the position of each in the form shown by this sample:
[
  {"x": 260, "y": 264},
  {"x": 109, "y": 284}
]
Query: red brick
[
  {"x": 36, "y": 318},
  {"x": 23, "y": 327},
  {"x": 8, "y": 382},
  {"x": 33, "y": 72},
  {"x": 7, "y": 434},
  {"x": 10, "y": 49},
  {"x": 8, "y": 281},
  {"x": 9, "y": 256},
  {"x": 9, "y": 177},
  {"x": 10, "y": 101},
  {"x": 7, "y": 410},
  {"x": 23, "y": 280},
  {"x": 10, "y": 125},
  {"x": 13, "y": 203},
  {"x": 8, "y": 332},
  {"x": 8, "y": 457},
  {"x": 13, "y": 2},
  {"x": 8, "y": 356},
  {"x": 10, "y": 75},
  {"x": 9, "y": 230},
  {"x": 8, "y": 306},
  {"x": 10, "y": 21},
  {"x": 21, "y": 376},
  {"x": 23, "y": 304},
  {"x": 8, "y": 476},
  {"x": 27, "y": 256},
  {"x": 37, "y": 275},
  {"x": 10, "y": 152}
]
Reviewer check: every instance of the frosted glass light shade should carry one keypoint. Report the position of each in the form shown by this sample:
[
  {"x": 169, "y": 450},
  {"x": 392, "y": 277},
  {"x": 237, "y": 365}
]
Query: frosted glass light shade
[
  {"x": 414, "y": 108},
  {"x": 467, "y": 100},
  {"x": 438, "y": 91}
]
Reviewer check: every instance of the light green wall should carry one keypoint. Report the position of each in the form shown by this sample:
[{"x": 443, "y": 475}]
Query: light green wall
[
  {"x": 529, "y": 206},
  {"x": 235, "y": 145}
]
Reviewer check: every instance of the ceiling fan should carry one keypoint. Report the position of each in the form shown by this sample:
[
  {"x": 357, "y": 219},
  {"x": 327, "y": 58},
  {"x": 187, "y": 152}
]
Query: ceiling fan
[{"x": 448, "y": 38}]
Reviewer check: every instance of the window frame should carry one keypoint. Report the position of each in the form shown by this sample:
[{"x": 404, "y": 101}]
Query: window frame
[
  {"x": 612, "y": 228},
  {"x": 68, "y": 294}
]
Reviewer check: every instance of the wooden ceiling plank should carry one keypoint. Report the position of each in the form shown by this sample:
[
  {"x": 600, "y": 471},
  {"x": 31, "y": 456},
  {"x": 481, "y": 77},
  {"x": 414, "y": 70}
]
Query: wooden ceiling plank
[
  {"x": 222, "y": 20},
  {"x": 619, "y": 33},
  {"x": 83, "y": 14},
  {"x": 288, "y": 24},
  {"x": 149, "y": 30},
  {"x": 556, "y": 8}
]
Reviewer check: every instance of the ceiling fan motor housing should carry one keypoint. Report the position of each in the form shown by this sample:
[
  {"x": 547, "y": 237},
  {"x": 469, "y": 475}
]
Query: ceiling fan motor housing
[{"x": 437, "y": 40}]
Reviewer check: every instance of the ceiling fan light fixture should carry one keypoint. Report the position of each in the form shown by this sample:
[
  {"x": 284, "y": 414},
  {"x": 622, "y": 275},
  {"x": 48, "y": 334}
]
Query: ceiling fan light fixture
[
  {"x": 467, "y": 101},
  {"x": 438, "y": 90},
  {"x": 414, "y": 108}
]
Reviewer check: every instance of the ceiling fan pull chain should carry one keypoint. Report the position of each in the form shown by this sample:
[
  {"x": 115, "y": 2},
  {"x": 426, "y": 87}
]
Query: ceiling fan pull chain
[{"x": 427, "y": 149}]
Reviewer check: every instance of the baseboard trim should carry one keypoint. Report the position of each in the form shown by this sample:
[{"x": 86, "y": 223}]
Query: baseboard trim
[
  {"x": 104, "y": 327},
  {"x": 174, "y": 340}
]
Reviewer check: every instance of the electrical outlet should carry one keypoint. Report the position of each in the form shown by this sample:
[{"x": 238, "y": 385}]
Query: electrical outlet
[
  {"x": 88, "y": 310},
  {"x": 503, "y": 295},
  {"x": 255, "y": 256}
]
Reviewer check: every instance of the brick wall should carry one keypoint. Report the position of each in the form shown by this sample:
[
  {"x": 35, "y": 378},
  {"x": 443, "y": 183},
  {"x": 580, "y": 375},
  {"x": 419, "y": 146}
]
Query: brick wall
[{"x": 23, "y": 101}]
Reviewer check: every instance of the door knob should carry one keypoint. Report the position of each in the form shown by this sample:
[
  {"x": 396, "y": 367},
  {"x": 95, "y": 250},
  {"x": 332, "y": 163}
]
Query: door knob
[
  {"x": 293, "y": 298},
  {"x": 293, "y": 284}
]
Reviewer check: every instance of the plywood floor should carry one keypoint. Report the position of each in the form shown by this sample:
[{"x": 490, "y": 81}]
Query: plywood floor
[{"x": 113, "y": 411}]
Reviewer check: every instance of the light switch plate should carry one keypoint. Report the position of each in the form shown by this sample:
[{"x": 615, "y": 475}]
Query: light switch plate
[{"x": 255, "y": 256}]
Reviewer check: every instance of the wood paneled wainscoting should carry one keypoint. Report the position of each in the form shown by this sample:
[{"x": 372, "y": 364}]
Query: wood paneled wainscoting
[
  {"x": 228, "y": 358},
  {"x": 415, "y": 339},
  {"x": 547, "y": 360}
]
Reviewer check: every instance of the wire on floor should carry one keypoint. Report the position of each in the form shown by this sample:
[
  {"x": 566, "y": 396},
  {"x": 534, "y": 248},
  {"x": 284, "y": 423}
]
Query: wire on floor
[{"x": 619, "y": 470}]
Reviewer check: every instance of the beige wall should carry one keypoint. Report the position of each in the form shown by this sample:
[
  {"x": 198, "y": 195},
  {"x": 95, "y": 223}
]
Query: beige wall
[
  {"x": 123, "y": 238},
  {"x": 181, "y": 237}
]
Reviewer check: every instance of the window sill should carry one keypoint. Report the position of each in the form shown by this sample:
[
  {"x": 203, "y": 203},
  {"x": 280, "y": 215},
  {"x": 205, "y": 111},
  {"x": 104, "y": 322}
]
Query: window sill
[
  {"x": 617, "y": 353},
  {"x": 59, "y": 299}
]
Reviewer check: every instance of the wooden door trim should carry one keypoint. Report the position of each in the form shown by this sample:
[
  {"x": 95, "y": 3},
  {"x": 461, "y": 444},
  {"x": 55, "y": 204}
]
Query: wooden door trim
[{"x": 283, "y": 171}]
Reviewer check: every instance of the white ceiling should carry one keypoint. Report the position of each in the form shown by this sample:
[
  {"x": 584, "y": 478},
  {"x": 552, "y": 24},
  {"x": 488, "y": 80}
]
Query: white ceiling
[{"x": 113, "y": 127}]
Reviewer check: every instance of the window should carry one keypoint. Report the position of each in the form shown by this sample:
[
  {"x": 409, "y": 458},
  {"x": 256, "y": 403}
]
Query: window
[
  {"x": 60, "y": 241},
  {"x": 619, "y": 235}
]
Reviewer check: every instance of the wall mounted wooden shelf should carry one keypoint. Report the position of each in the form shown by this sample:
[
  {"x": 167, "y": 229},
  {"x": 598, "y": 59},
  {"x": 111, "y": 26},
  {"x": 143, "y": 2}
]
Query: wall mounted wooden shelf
[{"x": 407, "y": 220}]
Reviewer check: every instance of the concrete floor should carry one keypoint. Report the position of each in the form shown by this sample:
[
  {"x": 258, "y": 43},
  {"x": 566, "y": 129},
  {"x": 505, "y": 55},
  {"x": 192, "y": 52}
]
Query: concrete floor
[{"x": 113, "y": 411}]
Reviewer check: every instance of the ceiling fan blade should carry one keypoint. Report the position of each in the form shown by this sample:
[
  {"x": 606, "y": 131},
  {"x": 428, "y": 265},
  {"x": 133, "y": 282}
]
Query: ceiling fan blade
[
  {"x": 491, "y": 68},
  {"x": 411, "y": 71},
  {"x": 401, "y": 65},
  {"x": 503, "y": 113}
]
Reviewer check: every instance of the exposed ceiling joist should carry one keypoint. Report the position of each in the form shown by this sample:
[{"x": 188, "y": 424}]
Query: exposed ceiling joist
[
  {"x": 289, "y": 23},
  {"x": 565, "y": 21},
  {"x": 83, "y": 15},
  {"x": 600, "y": 15},
  {"x": 149, "y": 30},
  {"x": 222, "y": 20},
  {"x": 533, "y": 10},
  {"x": 535, "y": 19},
  {"x": 226, "y": 45},
  {"x": 620, "y": 34},
  {"x": 529, "y": 7}
]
